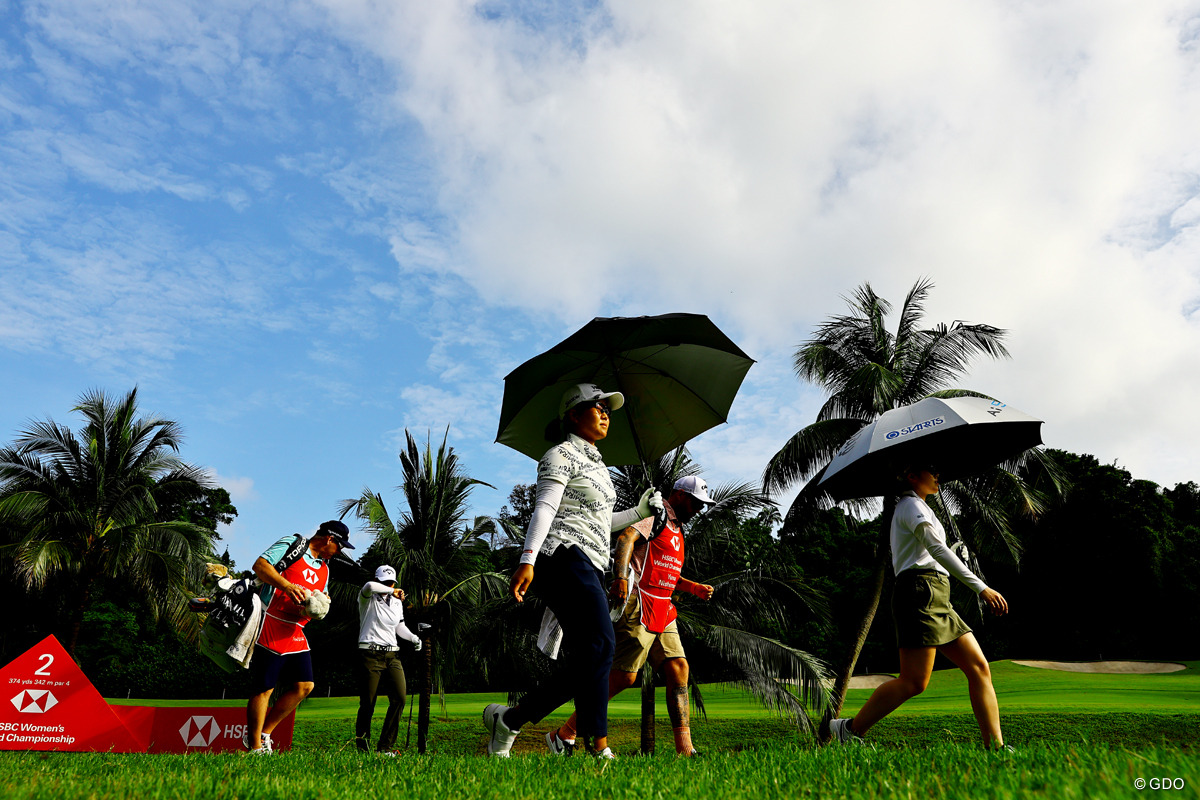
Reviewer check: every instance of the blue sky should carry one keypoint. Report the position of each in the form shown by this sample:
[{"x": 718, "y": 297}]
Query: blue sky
[{"x": 301, "y": 227}]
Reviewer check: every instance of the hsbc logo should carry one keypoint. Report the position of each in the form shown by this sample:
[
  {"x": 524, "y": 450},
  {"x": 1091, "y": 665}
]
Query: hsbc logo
[
  {"x": 310, "y": 577},
  {"x": 675, "y": 542},
  {"x": 200, "y": 731},
  {"x": 34, "y": 701}
]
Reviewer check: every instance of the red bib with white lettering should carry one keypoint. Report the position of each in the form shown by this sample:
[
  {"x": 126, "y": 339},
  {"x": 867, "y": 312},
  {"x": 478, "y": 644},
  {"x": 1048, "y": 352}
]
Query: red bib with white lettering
[
  {"x": 283, "y": 628},
  {"x": 660, "y": 573}
]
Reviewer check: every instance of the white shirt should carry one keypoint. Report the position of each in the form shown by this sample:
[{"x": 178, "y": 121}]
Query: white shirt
[
  {"x": 919, "y": 542},
  {"x": 381, "y": 616},
  {"x": 574, "y": 506}
]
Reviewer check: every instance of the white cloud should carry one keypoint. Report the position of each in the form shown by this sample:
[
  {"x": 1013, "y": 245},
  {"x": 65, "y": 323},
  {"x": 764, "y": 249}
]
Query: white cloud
[
  {"x": 755, "y": 162},
  {"x": 241, "y": 489},
  {"x": 400, "y": 213}
]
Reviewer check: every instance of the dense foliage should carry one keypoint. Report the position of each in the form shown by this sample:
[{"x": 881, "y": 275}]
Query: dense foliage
[{"x": 1112, "y": 571}]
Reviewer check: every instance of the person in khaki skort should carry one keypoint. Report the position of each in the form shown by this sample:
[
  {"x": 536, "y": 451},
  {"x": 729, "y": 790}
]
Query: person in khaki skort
[
  {"x": 926, "y": 622},
  {"x": 647, "y": 562}
]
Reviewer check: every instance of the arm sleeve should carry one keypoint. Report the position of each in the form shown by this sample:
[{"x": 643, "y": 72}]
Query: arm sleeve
[
  {"x": 624, "y": 519},
  {"x": 549, "y": 495},
  {"x": 945, "y": 556},
  {"x": 402, "y": 632},
  {"x": 371, "y": 587}
]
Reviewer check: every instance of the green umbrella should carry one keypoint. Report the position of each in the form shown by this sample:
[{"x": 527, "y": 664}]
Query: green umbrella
[{"x": 678, "y": 372}]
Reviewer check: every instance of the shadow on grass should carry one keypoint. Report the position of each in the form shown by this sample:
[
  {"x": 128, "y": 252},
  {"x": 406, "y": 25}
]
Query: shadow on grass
[{"x": 466, "y": 736}]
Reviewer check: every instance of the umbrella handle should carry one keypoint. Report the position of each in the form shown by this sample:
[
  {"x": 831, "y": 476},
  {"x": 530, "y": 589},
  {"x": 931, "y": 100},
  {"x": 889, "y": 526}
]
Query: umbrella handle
[{"x": 660, "y": 522}]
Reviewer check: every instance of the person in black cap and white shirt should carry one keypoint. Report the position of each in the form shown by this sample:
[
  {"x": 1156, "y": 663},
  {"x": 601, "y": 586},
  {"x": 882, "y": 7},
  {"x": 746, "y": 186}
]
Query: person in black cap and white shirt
[
  {"x": 282, "y": 656},
  {"x": 570, "y": 531},
  {"x": 381, "y": 626}
]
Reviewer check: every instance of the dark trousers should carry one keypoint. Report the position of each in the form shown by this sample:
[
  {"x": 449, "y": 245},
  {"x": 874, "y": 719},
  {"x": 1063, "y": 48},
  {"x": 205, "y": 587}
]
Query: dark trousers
[
  {"x": 568, "y": 583},
  {"x": 379, "y": 668}
]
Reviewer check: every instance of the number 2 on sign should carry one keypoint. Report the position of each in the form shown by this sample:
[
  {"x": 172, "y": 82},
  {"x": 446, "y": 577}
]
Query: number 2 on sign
[{"x": 45, "y": 670}]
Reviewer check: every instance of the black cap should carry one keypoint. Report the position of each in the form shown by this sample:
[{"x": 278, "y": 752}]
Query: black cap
[{"x": 336, "y": 529}]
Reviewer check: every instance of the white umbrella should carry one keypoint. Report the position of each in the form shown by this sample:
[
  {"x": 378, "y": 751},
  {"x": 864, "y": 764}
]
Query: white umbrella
[{"x": 958, "y": 436}]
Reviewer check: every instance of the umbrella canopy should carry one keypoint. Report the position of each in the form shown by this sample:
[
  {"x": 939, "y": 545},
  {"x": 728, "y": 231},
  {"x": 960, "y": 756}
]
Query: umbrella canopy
[
  {"x": 957, "y": 435},
  {"x": 678, "y": 372}
]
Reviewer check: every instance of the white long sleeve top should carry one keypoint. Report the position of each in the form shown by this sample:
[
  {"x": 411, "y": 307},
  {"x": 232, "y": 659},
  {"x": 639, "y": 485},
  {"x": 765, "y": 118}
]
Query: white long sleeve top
[
  {"x": 381, "y": 616},
  {"x": 574, "y": 505},
  {"x": 919, "y": 542}
]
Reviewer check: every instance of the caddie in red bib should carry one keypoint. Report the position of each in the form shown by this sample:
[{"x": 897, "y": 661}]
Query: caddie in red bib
[
  {"x": 294, "y": 574},
  {"x": 656, "y": 564},
  {"x": 283, "y": 628},
  {"x": 648, "y": 563}
]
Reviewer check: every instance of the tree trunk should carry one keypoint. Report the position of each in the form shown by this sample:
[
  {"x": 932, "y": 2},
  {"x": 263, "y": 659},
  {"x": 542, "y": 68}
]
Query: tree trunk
[
  {"x": 647, "y": 710},
  {"x": 77, "y": 616},
  {"x": 846, "y": 670},
  {"x": 426, "y": 697}
]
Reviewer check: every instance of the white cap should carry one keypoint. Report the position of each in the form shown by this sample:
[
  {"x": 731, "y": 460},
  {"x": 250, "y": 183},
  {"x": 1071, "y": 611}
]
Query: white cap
[
  {"x": 385, "y": 574},
  {"x": 696, "y": 487},
  {"x": 585, "y": 392}
]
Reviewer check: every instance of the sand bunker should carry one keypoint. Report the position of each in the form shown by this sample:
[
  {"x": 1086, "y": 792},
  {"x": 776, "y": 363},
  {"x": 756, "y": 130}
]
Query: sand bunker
[
  {"x": 869, "y": 681},
  {"x": 1115, "y": 667}
]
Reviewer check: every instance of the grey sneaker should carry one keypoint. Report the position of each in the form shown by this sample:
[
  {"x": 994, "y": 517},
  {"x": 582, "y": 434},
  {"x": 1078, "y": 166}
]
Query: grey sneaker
[
  {"x": 265, "y": 745},
  {"x": 502, "y": 737},
  {"x": 839, "y": 731},
  {"x": 559, "y": 746}
]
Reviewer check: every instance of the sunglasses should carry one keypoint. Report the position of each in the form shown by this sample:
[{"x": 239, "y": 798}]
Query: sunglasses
[{"x": 599, "y": 405}]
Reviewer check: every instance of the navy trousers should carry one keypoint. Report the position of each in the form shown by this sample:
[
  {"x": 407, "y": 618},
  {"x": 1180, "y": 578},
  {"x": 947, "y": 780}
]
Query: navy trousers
[{"x": 568, "y": 583}]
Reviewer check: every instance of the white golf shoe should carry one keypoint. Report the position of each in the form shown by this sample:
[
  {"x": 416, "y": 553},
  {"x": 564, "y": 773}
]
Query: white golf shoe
[
  {"x": 839, "y": 731},
  {"x": 502, "y": 737}
]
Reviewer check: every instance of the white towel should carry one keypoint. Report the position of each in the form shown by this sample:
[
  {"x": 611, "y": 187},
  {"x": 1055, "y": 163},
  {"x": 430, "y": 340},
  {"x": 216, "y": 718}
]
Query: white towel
[
  {"x": 631, "y": 581},
  {"x": 550, "y": 635},
  {"x": 242, "y": 648}
]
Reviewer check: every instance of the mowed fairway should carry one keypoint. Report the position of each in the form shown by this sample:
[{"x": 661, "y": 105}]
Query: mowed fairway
[{"x": 1078, "y": 735}]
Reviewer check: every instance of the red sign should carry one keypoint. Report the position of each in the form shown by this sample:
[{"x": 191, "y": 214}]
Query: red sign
[
  {"x": 47, "y": 703},
  {"x": 195, "y": 729}
]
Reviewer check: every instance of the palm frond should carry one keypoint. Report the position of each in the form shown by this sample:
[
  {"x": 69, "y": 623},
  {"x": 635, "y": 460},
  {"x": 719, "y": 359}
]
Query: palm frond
[
  {"x": 769, "y": 670},
  {"x": 807, "y": 451},
  {"x": 87, "y": 503}
]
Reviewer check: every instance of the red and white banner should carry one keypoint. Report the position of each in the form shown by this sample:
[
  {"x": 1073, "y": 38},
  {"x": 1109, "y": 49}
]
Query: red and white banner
[
  {"x": 47, "y": 703},
  {"x": 195, "y": 729}
]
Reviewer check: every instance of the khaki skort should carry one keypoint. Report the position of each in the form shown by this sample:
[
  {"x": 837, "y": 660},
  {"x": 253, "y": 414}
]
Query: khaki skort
[
  {"x": 922, "y": 611},
  {"x": 635, "y": 644}
]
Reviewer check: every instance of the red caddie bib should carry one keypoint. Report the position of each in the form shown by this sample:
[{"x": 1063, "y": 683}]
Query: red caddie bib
[
  {"x": 660, "y": 573},
  {"x": 283, "y": 628}
]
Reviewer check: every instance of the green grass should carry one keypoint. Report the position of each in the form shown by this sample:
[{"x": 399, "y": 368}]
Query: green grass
[
  {"x": 1078, "y": 736},
  {"x": 1020, "y": 689},
  {"x": 779, "y": 771}
]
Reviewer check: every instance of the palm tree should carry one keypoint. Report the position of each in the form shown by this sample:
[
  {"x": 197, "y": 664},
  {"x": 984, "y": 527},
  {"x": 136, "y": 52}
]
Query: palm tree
[
  {"x": 750, "y": 594},
  {"x": 440, "y": 556},
  {"x": 868, "y": 370},
  {"x": 91, "y": 506}
]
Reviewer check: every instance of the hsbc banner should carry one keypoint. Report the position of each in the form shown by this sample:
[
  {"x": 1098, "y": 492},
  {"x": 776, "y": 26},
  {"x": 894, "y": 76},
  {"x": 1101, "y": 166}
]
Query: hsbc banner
[
  {"x": 47, "y": 703},
  {"x": 194, "y": 729}
]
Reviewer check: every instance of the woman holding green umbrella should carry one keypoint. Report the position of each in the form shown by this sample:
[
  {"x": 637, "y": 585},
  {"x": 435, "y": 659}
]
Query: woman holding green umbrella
[{"x": 570, "y": 531}]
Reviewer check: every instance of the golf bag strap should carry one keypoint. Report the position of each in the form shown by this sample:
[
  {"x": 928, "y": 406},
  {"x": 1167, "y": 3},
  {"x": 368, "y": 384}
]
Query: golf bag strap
[{"x": 293, "y": 554}]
